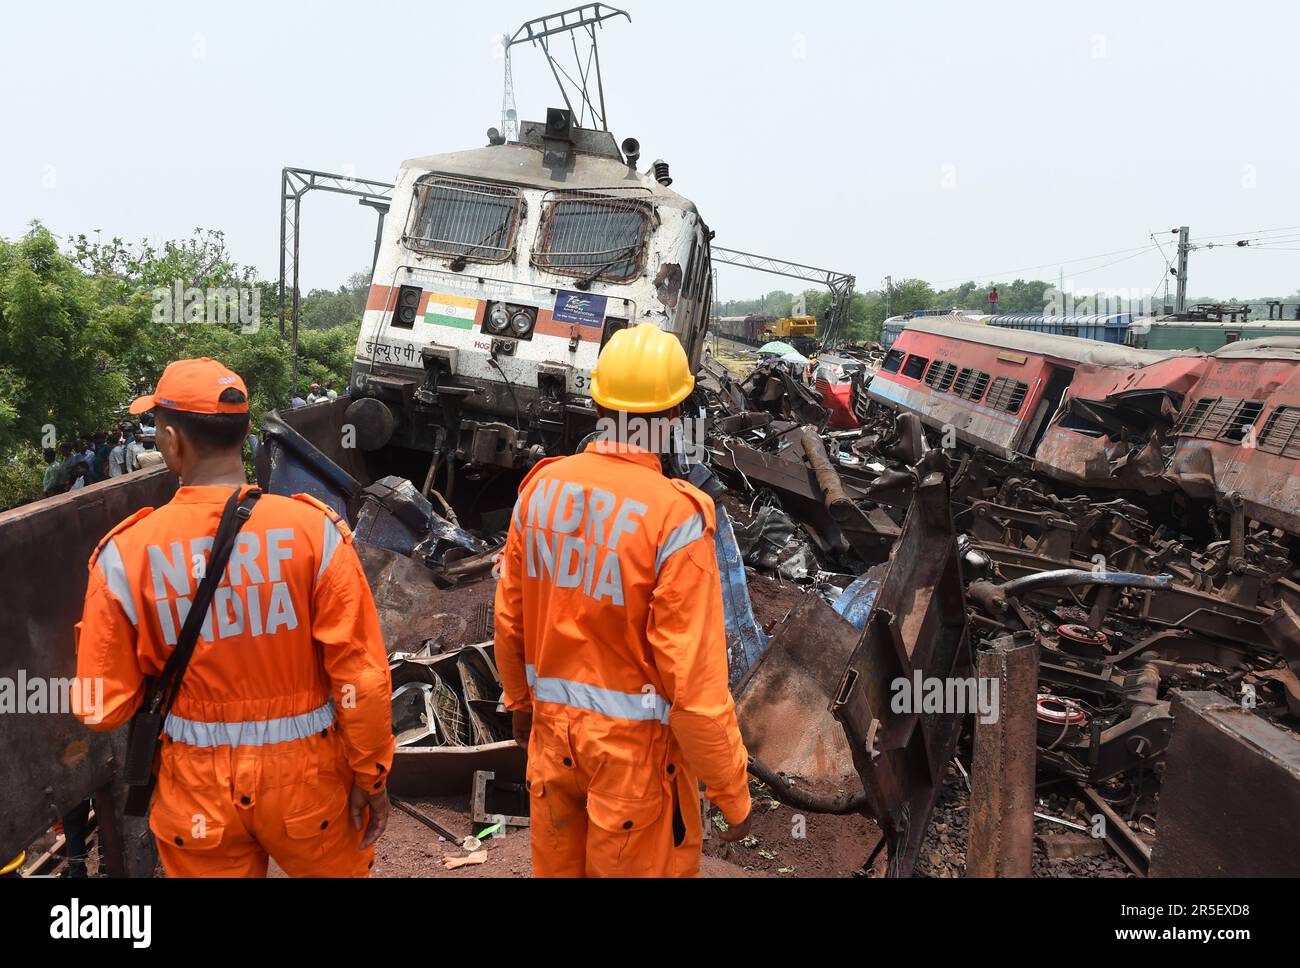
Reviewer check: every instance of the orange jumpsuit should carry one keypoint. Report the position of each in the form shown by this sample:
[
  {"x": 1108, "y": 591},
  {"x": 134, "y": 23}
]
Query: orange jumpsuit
[
  {"x": 609, "y": 628},
  {"x": 286, "y": 703}
]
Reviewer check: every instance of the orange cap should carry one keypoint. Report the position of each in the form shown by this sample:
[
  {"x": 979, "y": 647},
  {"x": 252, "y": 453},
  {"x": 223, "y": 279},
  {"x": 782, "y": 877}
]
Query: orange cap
[{"x": 194, "y": 386}]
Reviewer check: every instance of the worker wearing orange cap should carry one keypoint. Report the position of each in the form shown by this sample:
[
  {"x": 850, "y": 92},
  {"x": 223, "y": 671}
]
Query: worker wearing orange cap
[
  {"x": 279, "y": 740},
  {"x": 610, "y": 639}
]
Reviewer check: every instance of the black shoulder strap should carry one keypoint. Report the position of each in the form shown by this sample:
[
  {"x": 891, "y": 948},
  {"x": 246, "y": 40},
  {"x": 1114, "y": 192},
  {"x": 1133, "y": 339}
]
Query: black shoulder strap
[{"x": 232, "y": 520}]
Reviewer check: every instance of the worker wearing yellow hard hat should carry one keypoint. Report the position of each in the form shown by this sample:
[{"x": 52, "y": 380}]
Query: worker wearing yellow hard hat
[
  {"x": 610, "y": 641},
  {"x": 641, "y": 370}
]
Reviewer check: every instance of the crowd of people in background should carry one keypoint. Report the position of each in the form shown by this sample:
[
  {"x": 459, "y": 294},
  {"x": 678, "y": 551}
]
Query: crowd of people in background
[
  {"x": 317, "y": 394},
  {"x": 98, "y": 456},
  {"x": 129, "y": 447}
]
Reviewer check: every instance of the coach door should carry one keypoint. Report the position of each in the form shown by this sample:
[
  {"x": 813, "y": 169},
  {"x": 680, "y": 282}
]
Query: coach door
[{"x": 1058, "y": 381}]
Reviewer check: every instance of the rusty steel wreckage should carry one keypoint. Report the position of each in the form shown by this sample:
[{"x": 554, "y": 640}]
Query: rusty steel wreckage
[{"x": 1111, "y": 532}]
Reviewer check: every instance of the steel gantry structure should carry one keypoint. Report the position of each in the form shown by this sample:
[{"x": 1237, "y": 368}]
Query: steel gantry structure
[
  {"x": 294, "y": 184},
  {"x": 840, "y": 284}
]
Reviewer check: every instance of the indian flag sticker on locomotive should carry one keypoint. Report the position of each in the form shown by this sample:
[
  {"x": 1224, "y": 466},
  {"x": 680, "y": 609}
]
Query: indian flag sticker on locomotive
[
  {"x": 579, "y": 307},
  {"x": 445, "y": 309}
]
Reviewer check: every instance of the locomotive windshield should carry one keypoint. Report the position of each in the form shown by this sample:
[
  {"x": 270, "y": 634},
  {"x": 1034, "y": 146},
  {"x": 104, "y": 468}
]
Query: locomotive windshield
[
  {"x": 465, "y": 219},
  {"x": 593, "y": 237}
]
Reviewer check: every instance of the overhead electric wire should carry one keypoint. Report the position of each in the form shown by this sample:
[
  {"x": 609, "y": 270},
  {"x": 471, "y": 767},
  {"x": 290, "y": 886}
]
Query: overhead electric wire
[
  {"x": 1239, "y": 235},
  {"x": 1045, "y": 265},
  {"x": 1254, "y": 239},
  {"x": 1263, "y": 242},
  {"x": 1084, "y": 272},
  {"x": 1256, "y": 243}
]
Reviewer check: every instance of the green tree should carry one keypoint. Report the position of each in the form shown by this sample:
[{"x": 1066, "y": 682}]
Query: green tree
[
  {"x": 909, "y": 295},
  {"x": 81, "y": 334},
  {"x": 21, "y": 473},
  {"x": 58, "y": 350},
  {"x": 778, "y": 303}
]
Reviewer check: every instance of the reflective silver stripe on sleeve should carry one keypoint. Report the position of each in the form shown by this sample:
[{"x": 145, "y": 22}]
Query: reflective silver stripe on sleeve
[
  {"x": 331, "y": 544},
  {"x": 264, "y": 732},
  {"x": 114, "y": 572},
  {"x": 638, "y": 706},
  {"x": 678, "y": 538}
]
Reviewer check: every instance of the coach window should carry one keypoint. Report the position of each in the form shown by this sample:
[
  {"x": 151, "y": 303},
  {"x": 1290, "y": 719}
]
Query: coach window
[
  {"x": 1279, "y": 435},
  {"x": 1007, "y": 394},
  {"x": 971, "y": 384},
  {"x": 915, "y": 366},
  {"x": 940, "y": 375},
  {"x": 893, "y": 360},
  {"x": 1242, "y": 421},
  {"x": 1221, "y": 418}
]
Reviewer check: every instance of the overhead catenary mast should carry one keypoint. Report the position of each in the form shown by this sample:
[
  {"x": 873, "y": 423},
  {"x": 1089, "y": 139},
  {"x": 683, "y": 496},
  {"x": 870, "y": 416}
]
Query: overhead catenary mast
[{"x": 1180, "y": 297}]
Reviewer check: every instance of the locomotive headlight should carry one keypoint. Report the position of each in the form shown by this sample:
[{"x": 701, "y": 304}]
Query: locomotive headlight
[
  {"x": 499, "y": 319},
  {"x": 521, "y": 322},
  {"x": 408, "y": 307}
]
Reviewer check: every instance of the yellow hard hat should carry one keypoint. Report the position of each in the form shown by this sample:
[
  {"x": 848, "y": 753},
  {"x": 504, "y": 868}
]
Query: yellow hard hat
[{"x": 641, "y": 370}]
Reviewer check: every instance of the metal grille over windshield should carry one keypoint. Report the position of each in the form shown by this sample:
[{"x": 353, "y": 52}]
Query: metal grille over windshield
[
  {"x": 590, "y": 236},
  {"x": 465, "y": 219}
]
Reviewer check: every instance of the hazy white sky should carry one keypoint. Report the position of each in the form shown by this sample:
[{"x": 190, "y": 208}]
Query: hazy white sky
[{"x": 945, "y": 140}]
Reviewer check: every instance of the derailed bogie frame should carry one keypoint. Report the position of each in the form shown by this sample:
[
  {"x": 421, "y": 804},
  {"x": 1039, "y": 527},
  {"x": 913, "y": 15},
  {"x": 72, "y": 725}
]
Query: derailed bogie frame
[{"x": 917, "y": 628}]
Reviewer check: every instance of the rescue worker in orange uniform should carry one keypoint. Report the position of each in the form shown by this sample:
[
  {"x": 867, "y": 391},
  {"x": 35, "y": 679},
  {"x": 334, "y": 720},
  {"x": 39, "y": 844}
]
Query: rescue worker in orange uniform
[
  {"x": 280, "y": 739},
  {"x": 610, "y": 639}
]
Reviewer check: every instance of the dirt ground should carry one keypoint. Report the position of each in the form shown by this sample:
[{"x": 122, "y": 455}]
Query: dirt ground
[
  {"x": 786, "y": 843},
  {"x": 783, "y": 843},
  {"x": 832, "y": 847},
  {"x": 409, "y": 849}
]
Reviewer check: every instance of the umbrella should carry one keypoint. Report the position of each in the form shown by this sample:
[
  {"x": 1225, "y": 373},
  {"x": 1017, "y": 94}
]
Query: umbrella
[
  {"x": 775, "y": 348},
  {"x": 795, "y": 357}
]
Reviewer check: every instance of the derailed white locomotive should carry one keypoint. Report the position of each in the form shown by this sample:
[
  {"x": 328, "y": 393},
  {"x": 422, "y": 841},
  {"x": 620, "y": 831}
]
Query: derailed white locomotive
[{"x": 502, "y": 272}]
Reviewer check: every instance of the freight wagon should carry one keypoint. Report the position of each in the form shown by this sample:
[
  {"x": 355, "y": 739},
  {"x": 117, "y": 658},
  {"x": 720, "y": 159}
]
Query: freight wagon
[
  {"x": 753, "y": 330},
  {"x": 1104, "y": 327}
]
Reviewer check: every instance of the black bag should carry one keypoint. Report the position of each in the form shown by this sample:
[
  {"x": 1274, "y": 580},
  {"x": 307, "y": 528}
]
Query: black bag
[{"x": 147, "y": 724}]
